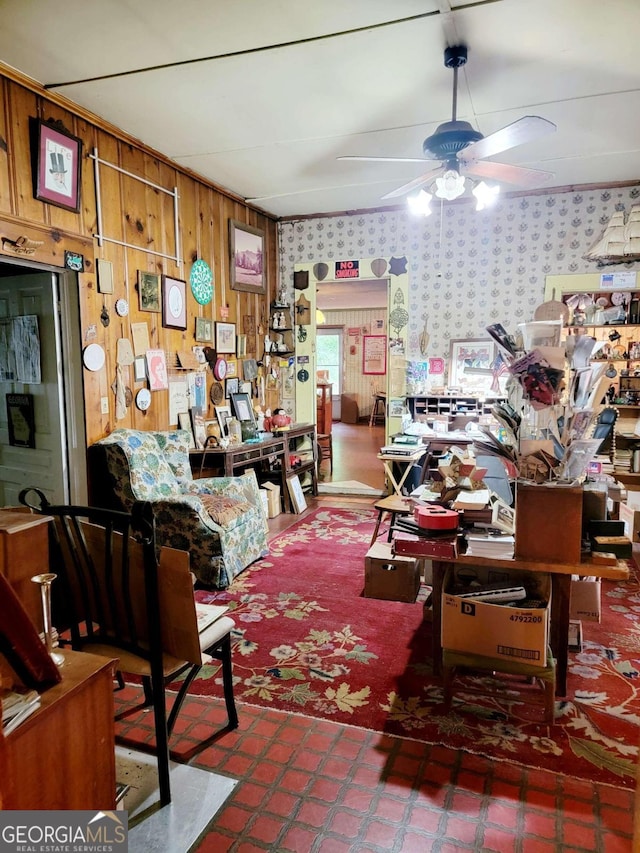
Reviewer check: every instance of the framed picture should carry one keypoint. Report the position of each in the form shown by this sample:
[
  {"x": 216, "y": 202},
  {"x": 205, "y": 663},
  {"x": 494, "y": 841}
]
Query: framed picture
[
  {"x": 199, "y": 427},
  {"x": 225, "y": 338},
  {"x": 57, "y": 166},
  {"x": 242, "y": 408},
  {"x": 298, "y": 501},
  {"x": 184, "y": 422},
  {"x": 223, "y": 413},
  {"x": 374, "y": 354},
  {"x": 174, "y": 303},
  {"x": 149, "y": 291},
  {"x": 231, "y": 387},
  {"x": 246, "y": 258},
  {"x": 204, "y": 330},
  {"x": 157, "y": 370},
  {"x": 470, "y": 363},
  {"x": 21, "y": 420},
  {"x": 139, "y": 369}
]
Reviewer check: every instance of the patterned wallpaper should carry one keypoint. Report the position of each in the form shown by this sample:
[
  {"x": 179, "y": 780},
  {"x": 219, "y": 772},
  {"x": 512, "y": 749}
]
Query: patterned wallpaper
[{"x": 467, "y": 269}]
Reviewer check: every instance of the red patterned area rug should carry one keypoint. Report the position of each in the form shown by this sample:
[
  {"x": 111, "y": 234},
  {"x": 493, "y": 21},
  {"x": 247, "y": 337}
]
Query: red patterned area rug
[{"x": 307, "y": 641}]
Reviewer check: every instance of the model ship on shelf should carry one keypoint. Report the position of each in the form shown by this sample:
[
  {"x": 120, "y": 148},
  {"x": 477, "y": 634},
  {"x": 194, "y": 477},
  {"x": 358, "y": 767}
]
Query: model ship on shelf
[{"x": 620, "y": 241}]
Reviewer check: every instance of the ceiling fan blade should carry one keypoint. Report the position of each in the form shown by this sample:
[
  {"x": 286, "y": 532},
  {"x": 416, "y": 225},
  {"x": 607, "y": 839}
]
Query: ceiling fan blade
[
  {"x": 523, "y": 130},
  {"x": 414, "y": 184},
  {"x": 386, "y": 159},
  {"x": 518, "y": 175}
]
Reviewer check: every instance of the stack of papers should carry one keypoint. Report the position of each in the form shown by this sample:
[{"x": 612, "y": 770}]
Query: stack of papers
[
  {"x": 17, "y": 705},
  {"x": 490, "y": 545}
]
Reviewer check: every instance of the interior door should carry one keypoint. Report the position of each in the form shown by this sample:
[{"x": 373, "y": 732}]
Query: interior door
[{"x": 33, "y": 293}]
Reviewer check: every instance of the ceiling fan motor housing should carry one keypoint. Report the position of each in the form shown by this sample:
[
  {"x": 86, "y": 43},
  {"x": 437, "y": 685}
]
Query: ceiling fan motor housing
[{"x": 449, "y": 139}]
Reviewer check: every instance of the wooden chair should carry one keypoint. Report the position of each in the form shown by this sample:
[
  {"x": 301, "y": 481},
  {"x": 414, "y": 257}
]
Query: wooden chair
[
  {"x": 379, "y": 407},
  {"x": 118, "y": 600},
  {"x": 325, "y": 449}
]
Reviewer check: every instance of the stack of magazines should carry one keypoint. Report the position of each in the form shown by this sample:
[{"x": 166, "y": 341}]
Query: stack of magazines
[
  {"x": 17, "y": 705},
  {"x": 498, "y": 546}
]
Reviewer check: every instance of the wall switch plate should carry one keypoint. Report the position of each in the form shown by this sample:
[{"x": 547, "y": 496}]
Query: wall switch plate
[{"x": 104, "y": 405}]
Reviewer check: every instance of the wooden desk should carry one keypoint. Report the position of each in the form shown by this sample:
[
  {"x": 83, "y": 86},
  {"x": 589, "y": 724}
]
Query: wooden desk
[
  {"x": 388, "y": 461},
  {"x": 63, "y": 755},
  {"x": 269, "y": 453},
  {"x": 560, "y": 601}
]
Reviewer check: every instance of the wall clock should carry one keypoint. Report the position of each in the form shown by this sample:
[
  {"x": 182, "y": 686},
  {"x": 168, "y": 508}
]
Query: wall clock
[
  {"x": 201, "y": 281},
  {"x": 220, "y": 368},
  {"x": 143, "y": 399}
]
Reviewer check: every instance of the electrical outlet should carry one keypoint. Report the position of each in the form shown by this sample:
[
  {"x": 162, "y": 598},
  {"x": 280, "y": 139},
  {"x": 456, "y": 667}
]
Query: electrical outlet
[{"x": 104, "y": 405}]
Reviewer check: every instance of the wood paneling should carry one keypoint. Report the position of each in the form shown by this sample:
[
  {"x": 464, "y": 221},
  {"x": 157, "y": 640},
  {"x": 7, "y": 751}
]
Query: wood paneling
[{"x": 133, "y": 213}]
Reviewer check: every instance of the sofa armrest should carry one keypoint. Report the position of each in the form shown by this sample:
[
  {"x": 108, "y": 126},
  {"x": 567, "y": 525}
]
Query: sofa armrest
[{"x": 245, "y": 487}]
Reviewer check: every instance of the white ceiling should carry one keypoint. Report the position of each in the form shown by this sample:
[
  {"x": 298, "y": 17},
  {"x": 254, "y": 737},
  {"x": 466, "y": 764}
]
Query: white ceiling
[{"x": 264, "y": 95}]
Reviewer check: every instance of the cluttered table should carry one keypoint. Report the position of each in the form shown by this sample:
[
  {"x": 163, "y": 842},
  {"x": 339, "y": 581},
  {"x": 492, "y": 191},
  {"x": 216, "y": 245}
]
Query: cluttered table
[{"x": 560, "y": 600}]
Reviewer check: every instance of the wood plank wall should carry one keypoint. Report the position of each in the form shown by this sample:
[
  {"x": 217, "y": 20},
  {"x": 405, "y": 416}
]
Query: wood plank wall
[{"x": 133, "y": 213}]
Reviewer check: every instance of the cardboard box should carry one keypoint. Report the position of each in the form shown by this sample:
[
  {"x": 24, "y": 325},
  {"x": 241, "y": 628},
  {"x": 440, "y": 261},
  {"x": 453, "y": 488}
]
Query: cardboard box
[
  {"x": 495, "y": 630},
  {"x": 273, "y": 499},
  {"x": 585, "y": 599},
  {"x": 394, "y": 578},
  {"x": 630, "y": 516}
]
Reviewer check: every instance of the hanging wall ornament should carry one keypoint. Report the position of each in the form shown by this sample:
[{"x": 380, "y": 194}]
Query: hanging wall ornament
[
  {"x": 301, "y": 280},
  {"x": 398, "y": 266},
  {"x": 201, "y": 282},
  {"x": 320, "y": 271},
  {"x": 379, "y": 267},
  {"x": 399, "y": 317}
]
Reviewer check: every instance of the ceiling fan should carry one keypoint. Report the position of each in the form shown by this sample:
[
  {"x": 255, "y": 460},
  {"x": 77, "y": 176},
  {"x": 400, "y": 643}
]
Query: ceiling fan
[{"x": 460, "y": 148}]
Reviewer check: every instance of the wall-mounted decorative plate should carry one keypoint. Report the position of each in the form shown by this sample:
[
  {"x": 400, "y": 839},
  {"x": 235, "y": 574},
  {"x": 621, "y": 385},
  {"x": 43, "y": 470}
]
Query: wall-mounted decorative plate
[
  {"x": 303, "y": 375},
  {"x": 220, "y": 368},
  {"x": 122, "y": 307},
  {"x": 93, "y": 357},
  {"x": 201, "y": 281},
  {"x": 216, "y": 393},
  {"x": 143, "y": 399}
]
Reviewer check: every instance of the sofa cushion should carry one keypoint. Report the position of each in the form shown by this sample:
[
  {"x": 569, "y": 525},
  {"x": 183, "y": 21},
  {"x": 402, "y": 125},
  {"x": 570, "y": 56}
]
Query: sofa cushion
[{"x": 223, "y": 510}]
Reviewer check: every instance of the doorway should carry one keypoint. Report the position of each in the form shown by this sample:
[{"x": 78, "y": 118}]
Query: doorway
[
  {"x": 353, "y": 312},
  {"x": 50, "y": 452}
]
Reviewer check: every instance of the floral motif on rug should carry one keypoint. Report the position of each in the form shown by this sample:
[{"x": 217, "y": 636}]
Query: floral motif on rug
[{"x": 306, "y": 640}]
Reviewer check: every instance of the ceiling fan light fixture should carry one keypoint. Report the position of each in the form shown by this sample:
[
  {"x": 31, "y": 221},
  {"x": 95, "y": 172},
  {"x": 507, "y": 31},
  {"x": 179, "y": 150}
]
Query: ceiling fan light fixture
[
  {"x": 485, "y": 195},
  {"x": 420, "y": 203},
  {"x": 450, "y": 186}
]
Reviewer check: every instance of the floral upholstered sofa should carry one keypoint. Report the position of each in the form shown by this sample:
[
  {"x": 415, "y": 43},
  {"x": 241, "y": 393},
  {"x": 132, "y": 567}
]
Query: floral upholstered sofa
[{"x": 220, "y": 521}]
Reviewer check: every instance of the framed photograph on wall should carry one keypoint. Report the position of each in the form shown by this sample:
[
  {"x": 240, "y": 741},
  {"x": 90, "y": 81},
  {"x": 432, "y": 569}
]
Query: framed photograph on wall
[
  {"x": 374, "y": 354},
  {"x": 470, "y": 361},
  {"x": 231, "y": 387},
  {"x": 149, "y": 291},
  {"x": 21, "y": 420},
  {"x": 204, "y": 330},
  {"x": 184, "y": 422},
  {"x": 57, "y": 166},
  {"x": 246, "y": 258},
  {"x": 174, "y": 303},
  {"x": 225, "y": 338}
]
